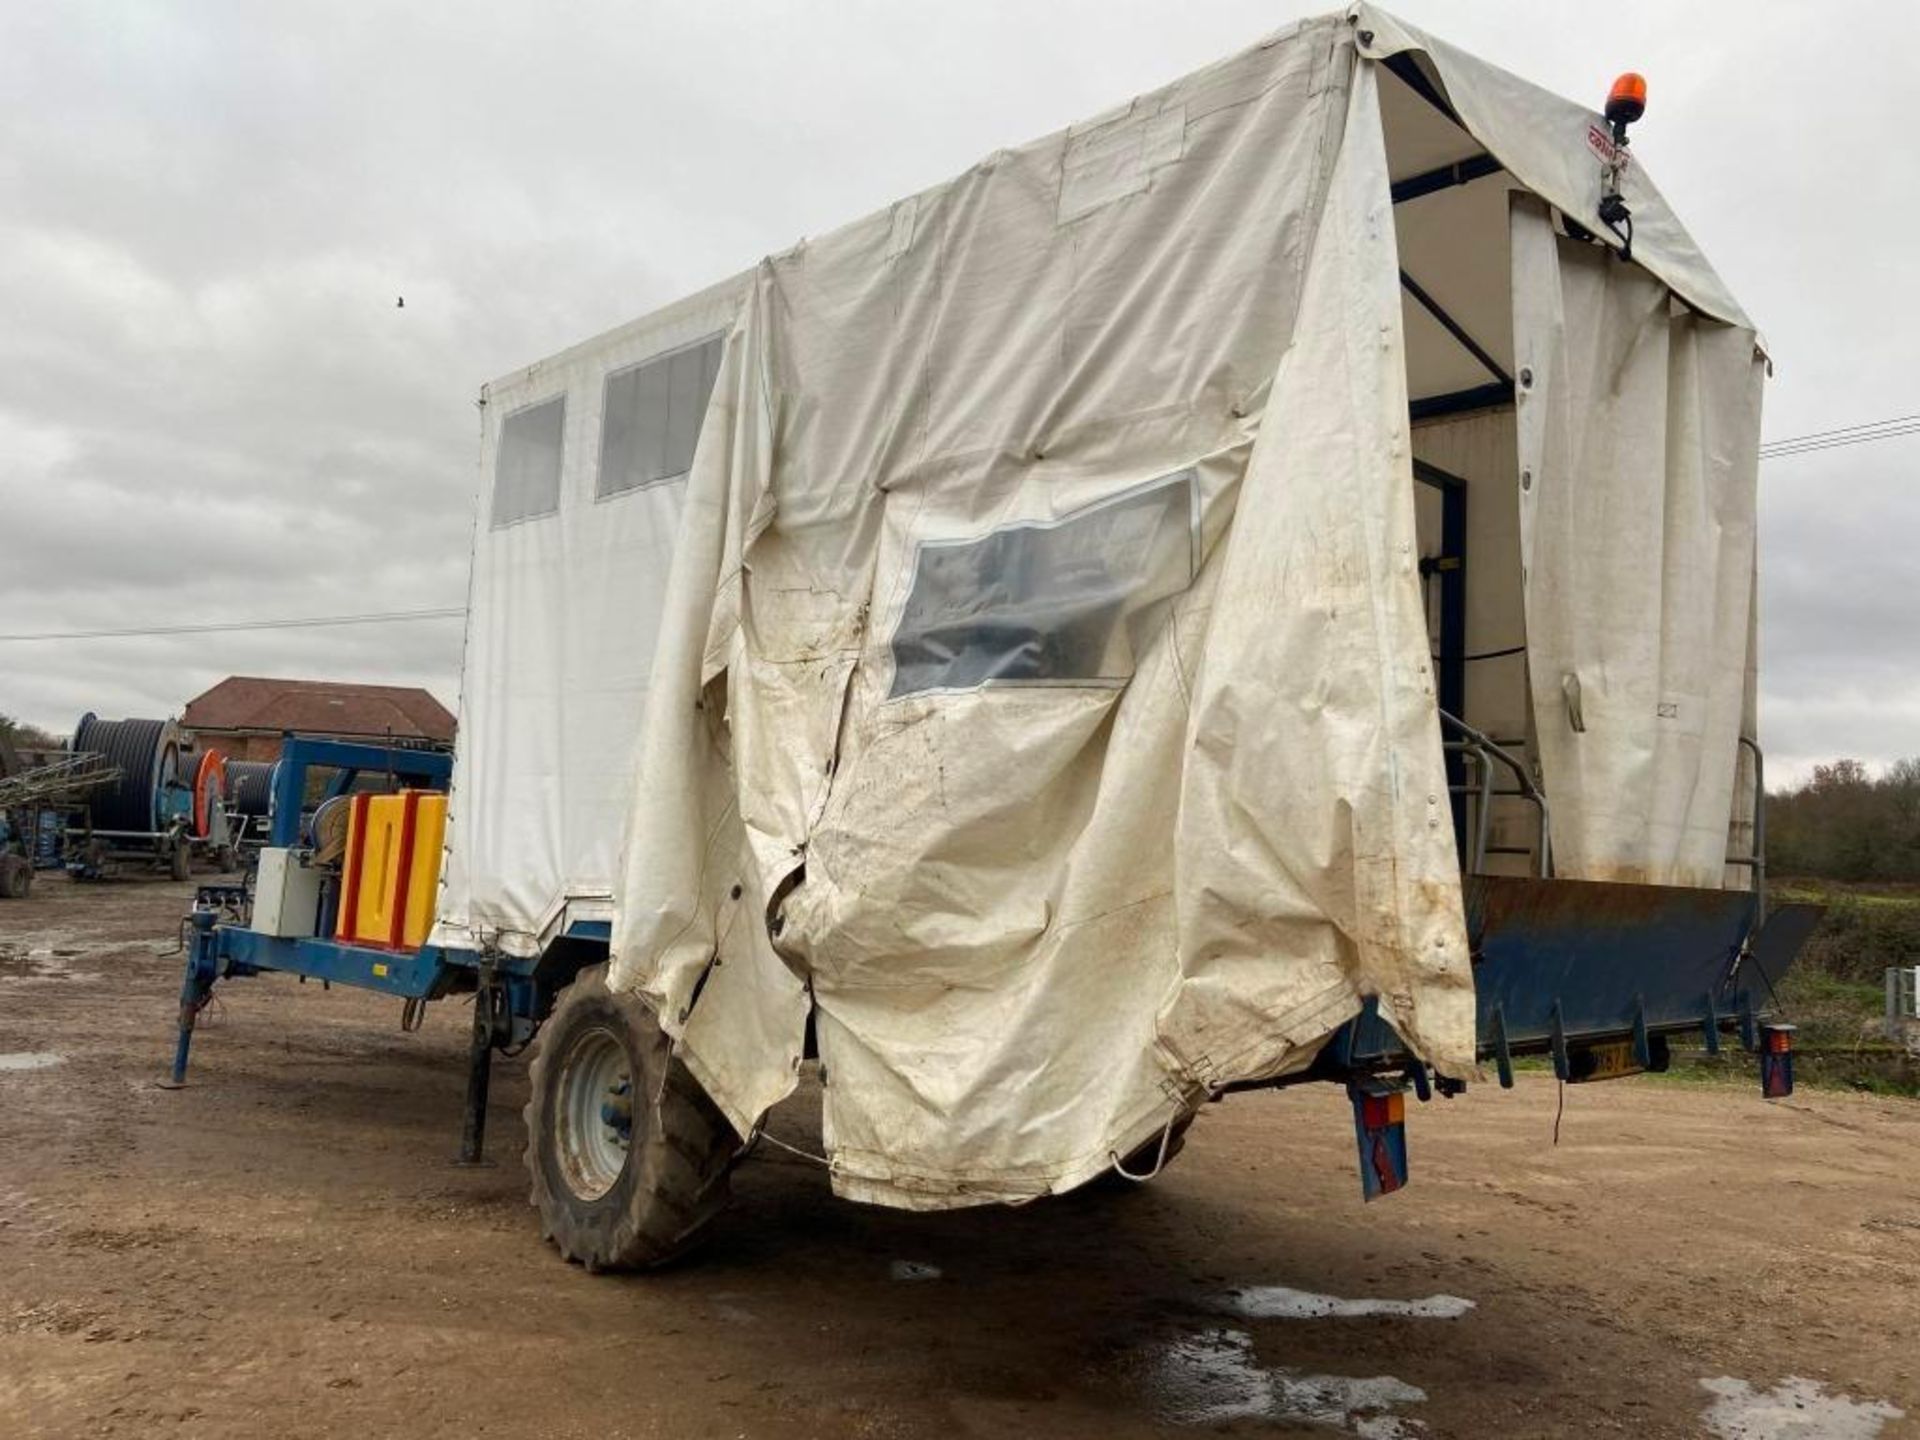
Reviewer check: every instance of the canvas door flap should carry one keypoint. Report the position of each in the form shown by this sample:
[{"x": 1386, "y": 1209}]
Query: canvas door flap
[
  {"x": 1639, "y": 429},
  {"x": 1055, "y": 416},
  {"x": 994, "y": 455},
  {"x": 1316, "y": 860},
  {"x": 686, "y": 844}
]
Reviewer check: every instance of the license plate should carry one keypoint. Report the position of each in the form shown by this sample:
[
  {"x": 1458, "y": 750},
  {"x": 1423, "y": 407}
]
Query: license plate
[{"x": 1610, "y": 1061}]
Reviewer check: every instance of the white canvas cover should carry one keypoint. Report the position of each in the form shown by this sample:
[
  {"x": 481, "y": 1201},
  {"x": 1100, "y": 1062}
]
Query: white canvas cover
[
  {"x": 1639, "y": 426},
  {"x": 563, "y": 608},
  {"x": 1031, "y": 676}
]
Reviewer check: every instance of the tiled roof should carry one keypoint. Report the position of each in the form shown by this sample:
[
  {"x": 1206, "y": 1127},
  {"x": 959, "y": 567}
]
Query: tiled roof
[{"x": 319, "y": 707}]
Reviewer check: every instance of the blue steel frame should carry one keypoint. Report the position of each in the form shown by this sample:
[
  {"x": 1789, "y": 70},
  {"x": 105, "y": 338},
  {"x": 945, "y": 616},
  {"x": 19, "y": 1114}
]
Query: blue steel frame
[
  {"x": 226, "y": 949},
  {"x": 1560, "y": 966},
  {"x": 349, "y": 760},
  {"x": 429, "y": 973},
  {"x": 1563, "y": 965}
]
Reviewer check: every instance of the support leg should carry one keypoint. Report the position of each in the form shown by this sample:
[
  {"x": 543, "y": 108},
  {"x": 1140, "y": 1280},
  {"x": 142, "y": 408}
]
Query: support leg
[
  {"x": 196, "y": 988},
  {"x": 473, "y": 1127}
]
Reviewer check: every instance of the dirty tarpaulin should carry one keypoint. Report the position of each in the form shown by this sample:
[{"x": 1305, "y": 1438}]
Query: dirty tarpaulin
[
  {"x": 1043, "y": 668},
  {"x": 1639, "y": 431}
]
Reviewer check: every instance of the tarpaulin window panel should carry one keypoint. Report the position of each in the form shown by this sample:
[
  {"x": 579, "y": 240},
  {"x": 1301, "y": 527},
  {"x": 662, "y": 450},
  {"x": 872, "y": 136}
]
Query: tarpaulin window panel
[
  {"x": 562, "y": 621},
  {"x": 1047, "y": 602},
  {"x": 526, "y": 476},
  {"x": 651, "y": 417}
]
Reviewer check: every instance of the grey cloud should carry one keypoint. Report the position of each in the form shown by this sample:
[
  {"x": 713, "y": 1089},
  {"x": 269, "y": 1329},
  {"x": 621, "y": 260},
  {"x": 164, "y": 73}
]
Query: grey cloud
[{"x": 210, "y": 407}]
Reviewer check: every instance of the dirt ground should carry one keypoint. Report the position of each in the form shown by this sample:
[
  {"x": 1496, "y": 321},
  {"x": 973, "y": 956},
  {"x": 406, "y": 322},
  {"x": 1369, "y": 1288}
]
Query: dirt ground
[{"x": 285, "y": 1249}]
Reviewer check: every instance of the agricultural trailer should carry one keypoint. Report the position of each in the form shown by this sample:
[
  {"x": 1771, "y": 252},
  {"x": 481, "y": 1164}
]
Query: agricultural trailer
[
  {"x": 163, "y": 808},
  {"x": 1254, "y": 588}
]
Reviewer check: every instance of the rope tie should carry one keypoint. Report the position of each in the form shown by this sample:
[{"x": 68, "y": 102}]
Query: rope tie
[{"x": 1159, "y": 1160}]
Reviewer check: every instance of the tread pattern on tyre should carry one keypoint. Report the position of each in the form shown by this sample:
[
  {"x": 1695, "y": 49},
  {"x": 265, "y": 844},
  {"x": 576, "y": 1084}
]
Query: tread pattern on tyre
[{"x": 675, "y": 1182}]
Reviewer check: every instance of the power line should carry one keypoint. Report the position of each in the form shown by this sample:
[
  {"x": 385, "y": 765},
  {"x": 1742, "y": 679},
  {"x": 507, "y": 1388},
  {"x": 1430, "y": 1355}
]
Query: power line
[
  {"x": 1772, "y": 453},
  {"x": 310, "y": 622},
  {"x": 1842, "y": 430},
  {"x": 1845, "y": 435}
]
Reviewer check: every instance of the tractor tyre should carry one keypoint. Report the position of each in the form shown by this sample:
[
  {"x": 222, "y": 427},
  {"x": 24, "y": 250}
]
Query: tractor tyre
[
  {"x": 16, "y": 877},
  {"x": 628, "y": 1158}
]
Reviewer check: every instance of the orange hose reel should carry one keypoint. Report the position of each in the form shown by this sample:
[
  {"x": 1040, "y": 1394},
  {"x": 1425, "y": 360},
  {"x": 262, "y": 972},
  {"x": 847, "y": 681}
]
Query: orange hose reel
[{"x": 213, "y": 767}]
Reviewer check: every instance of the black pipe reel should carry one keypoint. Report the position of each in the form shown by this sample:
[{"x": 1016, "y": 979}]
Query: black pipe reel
[
  {"x": 249, "y": 787},
  {"x": 147, "y": 754}
]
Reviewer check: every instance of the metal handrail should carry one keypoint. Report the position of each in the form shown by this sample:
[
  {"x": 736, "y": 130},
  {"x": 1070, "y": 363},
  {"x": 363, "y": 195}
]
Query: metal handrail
[
  {"x": 1757, "y": 861},
  {"x": 1484, "y": 752}
]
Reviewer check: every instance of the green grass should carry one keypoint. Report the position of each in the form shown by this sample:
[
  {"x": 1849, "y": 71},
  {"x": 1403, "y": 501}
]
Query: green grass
[
  {"x": 1866, "y": 929},
  {"x": 1831, "y": 1010},
  {"x": 1836, "y": 991}
]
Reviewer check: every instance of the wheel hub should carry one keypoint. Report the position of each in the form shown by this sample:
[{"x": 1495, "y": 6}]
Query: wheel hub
[{"x": 595, "y": 1113}]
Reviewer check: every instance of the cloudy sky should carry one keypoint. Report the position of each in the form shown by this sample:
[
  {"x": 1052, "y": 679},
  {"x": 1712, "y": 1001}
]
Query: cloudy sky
[{"x": 211, "y": 408}]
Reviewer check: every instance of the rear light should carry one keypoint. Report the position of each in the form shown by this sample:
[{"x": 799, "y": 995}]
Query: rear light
[
  {"x": 1380, "y": 1132},
  {"x": 1379, "y": 1111},
  {"x": 1776, "y": 1061}
]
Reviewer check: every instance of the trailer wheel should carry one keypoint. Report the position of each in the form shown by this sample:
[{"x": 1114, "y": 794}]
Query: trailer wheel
[
  {"x": 16, "y": 877},
  {"x": 628, "y": 1157},
  {"x": 180, "y": 859}
]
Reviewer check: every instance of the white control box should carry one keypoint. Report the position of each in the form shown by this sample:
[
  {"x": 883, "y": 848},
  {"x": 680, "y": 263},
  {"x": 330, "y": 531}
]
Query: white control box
[{"x": 286, "y": 895}]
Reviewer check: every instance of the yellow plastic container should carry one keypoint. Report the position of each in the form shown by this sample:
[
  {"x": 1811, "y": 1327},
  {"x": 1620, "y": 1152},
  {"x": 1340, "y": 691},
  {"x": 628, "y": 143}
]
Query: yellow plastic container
[{"x": 391, "y": 870}]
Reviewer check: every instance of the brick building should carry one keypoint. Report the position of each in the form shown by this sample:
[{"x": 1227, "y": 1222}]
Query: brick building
[{"x": 244, "y": 716}]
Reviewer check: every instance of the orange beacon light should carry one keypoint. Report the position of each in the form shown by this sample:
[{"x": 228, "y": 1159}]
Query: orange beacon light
[{"x": 1626, "y": 103}]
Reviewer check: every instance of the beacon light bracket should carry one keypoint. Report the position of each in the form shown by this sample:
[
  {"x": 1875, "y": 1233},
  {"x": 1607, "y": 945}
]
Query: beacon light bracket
[{"x": 1626, "y": 103}]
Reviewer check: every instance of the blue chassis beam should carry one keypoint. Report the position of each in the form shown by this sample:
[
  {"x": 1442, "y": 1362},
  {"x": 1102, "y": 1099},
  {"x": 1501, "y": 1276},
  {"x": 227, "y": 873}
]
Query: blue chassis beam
[
  {"x": 1561, "y": 964},
  {"x": 218, "y": 951},
  {"x": 424, "y": 974},
  {"x": 1557, "y": 964}
]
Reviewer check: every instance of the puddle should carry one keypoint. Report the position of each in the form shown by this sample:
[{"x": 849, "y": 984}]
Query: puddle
[
  {"x": 1279, "y": 1302},
  {"x": 41, "y": 962},
  {"x": 913, "y": 1270},
  {"x": 30, "y": 1060},
  {"x": 1212, "y": 1377},
  {"x": 1795, "y": 1409}
]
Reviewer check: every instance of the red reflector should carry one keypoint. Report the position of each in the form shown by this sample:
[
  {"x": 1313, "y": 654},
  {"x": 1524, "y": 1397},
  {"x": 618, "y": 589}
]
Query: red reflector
[
  {"x": 1379, "y": 1111},
  {"x": 1776, "y": 1061}
]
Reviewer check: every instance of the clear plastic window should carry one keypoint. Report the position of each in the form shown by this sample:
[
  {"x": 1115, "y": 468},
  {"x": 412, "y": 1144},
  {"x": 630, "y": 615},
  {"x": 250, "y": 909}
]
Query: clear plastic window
[
  {"x": 526, "y": 472},
  {"x": 652, "y": 417},
  {"x": 1059, "y": 602}
]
